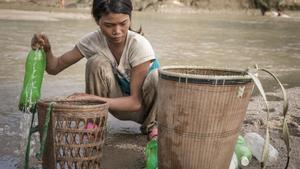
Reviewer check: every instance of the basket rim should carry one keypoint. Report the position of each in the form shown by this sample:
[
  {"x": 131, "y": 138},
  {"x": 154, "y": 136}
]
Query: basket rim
[
  {"x": 46, "y": 102},
  {"x": 164, "y": 71}
]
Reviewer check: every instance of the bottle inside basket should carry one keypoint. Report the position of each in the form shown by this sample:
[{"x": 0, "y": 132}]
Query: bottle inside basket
[
  {"x": 89, "y": 137},
  {"x": 242, "y": 152},
  {"x": 33, "y": 78},
  {"x": 90, "y": 125}
]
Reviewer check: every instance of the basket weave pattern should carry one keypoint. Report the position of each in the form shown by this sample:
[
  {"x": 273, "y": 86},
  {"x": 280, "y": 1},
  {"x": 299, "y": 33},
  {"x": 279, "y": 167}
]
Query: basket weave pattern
[
  {"x": 200, "y": 113},
  {"x": 76, "y": 134}
]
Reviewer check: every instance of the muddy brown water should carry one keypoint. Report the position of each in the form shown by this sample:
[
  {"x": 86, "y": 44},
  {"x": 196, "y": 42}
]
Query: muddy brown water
[{"x": 213, "y": 40}]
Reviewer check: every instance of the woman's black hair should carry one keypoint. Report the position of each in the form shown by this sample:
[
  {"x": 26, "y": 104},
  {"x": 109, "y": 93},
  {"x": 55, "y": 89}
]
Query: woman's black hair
[{"x": 103, "y": 7}]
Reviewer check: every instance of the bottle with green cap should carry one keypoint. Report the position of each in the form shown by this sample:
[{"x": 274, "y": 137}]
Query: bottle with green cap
[{"x": 242, "y": 152}]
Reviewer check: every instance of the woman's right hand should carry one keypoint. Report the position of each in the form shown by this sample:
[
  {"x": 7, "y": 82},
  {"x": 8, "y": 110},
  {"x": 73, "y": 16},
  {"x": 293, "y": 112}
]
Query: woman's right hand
[{"x": 40, "y": 40}]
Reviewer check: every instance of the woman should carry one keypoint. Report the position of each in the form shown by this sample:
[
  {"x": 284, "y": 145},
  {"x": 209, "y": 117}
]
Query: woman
[{"x": 121, "y": 66}]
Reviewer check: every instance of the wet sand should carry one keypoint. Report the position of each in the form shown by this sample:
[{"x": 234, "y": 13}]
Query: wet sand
[
  {"x": 124, "y": 145},
  {"x": 256, "y": 122}
]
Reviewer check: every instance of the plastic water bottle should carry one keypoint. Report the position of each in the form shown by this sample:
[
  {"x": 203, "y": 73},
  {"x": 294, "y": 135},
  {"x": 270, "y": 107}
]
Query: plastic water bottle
[
  {"x": 242, "y": 152},
  {"x": 151, "y": 154},
  {"x": 256, "y": 144},
  {"x": 90, "y": 125},
  {"x": 33, "y": 78},
  {"x": 234, "y": 162}
]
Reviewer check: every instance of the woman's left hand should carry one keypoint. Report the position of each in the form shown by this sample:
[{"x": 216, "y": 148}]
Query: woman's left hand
[{"x": 82, "y": 96}]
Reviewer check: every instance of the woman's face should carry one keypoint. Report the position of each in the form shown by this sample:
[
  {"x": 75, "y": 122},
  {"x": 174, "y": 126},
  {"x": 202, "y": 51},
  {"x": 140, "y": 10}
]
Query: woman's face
[{"x": 115, "y": 26}]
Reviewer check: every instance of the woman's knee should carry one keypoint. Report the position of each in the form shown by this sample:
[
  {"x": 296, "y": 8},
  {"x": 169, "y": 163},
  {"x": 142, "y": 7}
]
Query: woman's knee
[
  {"x": 97, "y": 63},
  {"x": 151, "y": 82},
  {"x": 100, "y": 78}
]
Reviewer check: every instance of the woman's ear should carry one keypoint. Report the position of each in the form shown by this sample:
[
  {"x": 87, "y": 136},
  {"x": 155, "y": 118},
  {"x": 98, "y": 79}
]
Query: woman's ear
[{"x": 98, "y": 22}]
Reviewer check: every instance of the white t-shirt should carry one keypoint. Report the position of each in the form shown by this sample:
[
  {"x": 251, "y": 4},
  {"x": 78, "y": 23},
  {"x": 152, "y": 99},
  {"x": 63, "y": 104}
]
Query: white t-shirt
[{"x": 137, "y": 50}]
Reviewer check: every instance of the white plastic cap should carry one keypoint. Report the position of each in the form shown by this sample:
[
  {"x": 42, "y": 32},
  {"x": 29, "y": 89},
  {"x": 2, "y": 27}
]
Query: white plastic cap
[{"x": 244, "y": 161}]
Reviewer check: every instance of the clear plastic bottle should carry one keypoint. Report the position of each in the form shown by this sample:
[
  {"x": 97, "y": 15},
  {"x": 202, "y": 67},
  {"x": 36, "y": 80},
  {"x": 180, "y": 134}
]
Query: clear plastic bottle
[
  {"x": 234, "y": 162},
  {"x": 256, "y": 144},
  {"x": 242, "y": 152}
]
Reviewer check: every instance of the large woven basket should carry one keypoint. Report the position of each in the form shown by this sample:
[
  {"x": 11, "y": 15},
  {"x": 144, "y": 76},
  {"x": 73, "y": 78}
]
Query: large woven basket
[
  {"x": 200, "y": 113},
  {"x": 75, "y": 135}
]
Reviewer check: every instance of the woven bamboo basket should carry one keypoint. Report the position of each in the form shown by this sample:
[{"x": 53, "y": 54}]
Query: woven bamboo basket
[
  {"x": 75, "y": 135},
  {"x": 200, "y": 113}
]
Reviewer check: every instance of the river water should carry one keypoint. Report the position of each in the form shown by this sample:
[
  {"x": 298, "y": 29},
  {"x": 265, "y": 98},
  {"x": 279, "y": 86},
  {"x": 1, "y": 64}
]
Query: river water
[{"x": 216, "y": 40}]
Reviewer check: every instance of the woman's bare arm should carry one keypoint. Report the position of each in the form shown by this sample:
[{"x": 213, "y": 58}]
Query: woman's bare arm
[{"x": 55, "y": 64}]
